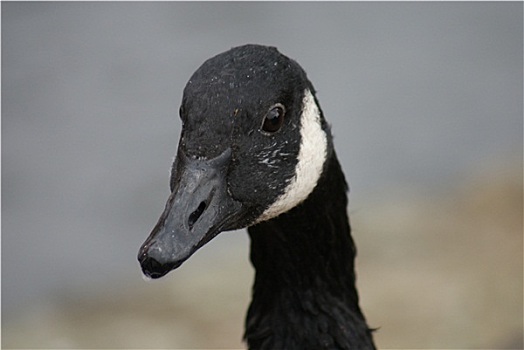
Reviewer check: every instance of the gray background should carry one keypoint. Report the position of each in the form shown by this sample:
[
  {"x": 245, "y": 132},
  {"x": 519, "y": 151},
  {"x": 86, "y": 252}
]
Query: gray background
[{"x": 419, "y": 95}]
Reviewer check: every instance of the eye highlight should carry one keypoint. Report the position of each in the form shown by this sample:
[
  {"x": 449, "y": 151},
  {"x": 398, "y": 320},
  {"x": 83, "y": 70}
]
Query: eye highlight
[{"x": 274, "y": 118}]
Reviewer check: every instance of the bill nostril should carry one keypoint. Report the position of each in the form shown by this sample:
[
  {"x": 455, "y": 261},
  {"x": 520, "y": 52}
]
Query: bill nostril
[{"x": 194, "y": 216}]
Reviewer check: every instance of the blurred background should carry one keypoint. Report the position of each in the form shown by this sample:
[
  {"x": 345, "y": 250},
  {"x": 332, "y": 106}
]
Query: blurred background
[{"x": 425, "y": 100}]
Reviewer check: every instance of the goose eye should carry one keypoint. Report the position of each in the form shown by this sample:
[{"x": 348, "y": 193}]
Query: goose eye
[{"x": 274, "y": 118}]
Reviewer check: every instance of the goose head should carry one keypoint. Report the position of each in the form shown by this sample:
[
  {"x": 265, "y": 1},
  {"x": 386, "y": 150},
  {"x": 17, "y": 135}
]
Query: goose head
[{"x": 253, "y": 146}]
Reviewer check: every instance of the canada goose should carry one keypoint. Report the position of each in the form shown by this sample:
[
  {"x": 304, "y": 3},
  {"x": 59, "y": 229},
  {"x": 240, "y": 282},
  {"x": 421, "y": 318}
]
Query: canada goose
[{"x": 255, "y": 151}]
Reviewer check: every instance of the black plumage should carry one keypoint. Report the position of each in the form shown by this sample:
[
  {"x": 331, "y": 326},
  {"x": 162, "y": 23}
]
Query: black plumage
[
  {"x": 247, "y": 157},
  {"x": 304, "y": 296}
]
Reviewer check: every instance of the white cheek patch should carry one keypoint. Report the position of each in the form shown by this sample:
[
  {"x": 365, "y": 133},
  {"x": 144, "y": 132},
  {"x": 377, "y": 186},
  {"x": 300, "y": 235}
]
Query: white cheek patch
[{"x": 311, "y": 158}]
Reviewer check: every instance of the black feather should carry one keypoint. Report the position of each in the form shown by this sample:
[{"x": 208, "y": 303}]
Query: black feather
[{"x": 304, "y": 296}]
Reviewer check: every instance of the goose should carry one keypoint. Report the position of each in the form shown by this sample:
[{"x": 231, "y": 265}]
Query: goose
[{"x": 255, "y": 151}]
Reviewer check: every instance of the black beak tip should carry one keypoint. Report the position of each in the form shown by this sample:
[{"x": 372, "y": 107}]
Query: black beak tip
[{"x": 154, "y": 269}]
